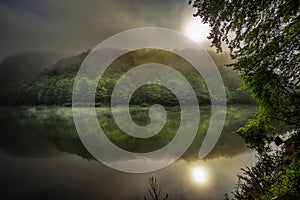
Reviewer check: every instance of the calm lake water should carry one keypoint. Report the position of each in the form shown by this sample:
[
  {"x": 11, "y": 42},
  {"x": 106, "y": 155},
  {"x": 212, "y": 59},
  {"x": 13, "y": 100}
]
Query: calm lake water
[{"x": 42, "y": 157}]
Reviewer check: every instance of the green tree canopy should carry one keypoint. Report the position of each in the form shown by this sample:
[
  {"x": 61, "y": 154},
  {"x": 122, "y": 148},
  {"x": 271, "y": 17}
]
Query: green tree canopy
[{"x": 264, "y": 39}]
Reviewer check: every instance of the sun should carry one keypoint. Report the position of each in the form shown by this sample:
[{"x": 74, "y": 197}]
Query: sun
[
  {"x": 199, "y": 174},
  {"x": 196, "y": 30}
]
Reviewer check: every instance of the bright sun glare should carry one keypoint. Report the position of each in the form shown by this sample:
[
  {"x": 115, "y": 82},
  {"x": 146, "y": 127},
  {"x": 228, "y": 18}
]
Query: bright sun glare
[
  {"x": 196, "y": 30},
  {"x": 199, "y": 174}
]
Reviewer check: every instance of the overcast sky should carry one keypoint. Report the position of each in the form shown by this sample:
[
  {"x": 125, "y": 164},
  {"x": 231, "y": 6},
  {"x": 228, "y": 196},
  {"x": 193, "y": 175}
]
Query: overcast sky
[{"x": 72, "y": 26}]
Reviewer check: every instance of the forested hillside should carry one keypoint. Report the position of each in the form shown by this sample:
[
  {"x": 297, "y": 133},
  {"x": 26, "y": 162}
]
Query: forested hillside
[
  {"x": 53, "y": 85},
  {"x": 22, "y": 67}
]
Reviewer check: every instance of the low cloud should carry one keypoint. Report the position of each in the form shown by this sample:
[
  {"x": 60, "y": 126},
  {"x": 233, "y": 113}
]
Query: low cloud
[{"x": 71, "y": 26}]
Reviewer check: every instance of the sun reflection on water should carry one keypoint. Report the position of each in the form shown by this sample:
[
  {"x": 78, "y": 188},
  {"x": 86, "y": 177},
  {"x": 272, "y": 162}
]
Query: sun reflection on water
[{"x": 199, "y": 174}]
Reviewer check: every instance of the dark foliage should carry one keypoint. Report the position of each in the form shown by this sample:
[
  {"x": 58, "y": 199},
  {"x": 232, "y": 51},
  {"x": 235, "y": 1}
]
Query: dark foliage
[{"x": 264, "y": 40}]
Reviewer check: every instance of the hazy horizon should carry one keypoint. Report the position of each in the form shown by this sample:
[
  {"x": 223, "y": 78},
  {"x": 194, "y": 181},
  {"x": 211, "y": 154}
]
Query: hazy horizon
[{"x": 71, "y": 27}]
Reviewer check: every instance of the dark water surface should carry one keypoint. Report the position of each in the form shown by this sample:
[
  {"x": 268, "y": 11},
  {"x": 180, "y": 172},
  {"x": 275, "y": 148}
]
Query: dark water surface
[{"x": 42, "y": 157}]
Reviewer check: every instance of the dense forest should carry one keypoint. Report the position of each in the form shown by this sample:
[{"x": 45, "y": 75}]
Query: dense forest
[
  {"x": 43, "y": 83},
  {"x": 264, "y": 40}
]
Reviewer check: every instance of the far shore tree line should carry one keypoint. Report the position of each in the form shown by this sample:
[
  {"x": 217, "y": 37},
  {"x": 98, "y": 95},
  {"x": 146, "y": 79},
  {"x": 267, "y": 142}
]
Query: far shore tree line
[{"x": 54, "y": 85}]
